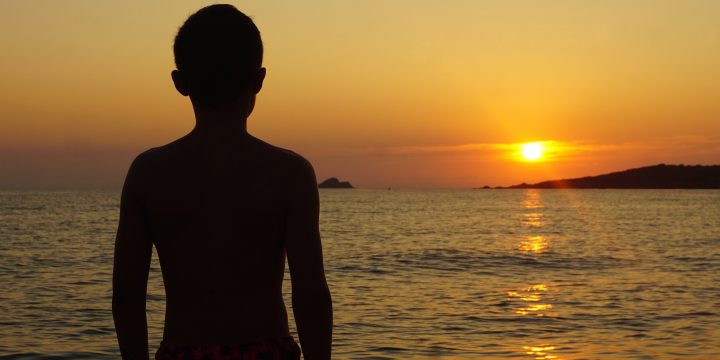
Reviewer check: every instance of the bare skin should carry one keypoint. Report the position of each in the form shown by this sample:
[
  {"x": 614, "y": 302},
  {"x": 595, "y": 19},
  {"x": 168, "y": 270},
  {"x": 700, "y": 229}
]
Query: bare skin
[{"x": 223, "y": 210}]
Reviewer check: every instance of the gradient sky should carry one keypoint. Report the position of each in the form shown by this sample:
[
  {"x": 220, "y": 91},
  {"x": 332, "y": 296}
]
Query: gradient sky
[{"x": 401, "y": 93}]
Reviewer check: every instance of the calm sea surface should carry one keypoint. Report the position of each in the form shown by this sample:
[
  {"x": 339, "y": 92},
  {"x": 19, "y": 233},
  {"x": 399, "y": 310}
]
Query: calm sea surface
[{"x": 525, "y": 274}]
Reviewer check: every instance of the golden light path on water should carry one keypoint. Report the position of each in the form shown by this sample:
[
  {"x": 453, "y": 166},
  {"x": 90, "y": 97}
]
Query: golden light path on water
[{"x": 533, "y": 300}]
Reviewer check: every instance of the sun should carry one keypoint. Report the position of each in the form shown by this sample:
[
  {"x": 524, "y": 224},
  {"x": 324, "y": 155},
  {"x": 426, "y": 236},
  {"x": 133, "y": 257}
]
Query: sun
[{"x": 532, "y": 151}]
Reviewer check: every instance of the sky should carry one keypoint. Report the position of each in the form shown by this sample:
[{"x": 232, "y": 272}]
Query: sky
[{"x": 400, "y": 93}]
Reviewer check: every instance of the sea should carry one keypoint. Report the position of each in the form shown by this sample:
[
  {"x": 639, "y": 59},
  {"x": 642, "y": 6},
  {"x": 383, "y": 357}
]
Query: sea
[{"x": 415, "y": 274}]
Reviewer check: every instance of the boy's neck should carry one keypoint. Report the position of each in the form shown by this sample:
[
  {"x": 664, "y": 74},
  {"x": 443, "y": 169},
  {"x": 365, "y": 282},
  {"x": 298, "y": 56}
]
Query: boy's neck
[{"x": 224, "y": 121}]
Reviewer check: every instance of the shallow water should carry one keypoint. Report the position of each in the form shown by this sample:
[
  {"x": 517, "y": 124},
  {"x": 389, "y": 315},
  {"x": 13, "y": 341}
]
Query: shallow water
[{"x": 527, "y": 274}]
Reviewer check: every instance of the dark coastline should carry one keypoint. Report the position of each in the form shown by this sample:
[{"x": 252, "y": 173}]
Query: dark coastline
[{"x": 659, "y": 176}]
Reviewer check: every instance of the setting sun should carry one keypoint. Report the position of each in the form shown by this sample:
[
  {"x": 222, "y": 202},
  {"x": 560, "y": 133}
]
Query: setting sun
[{"x": 532, "y": 151}]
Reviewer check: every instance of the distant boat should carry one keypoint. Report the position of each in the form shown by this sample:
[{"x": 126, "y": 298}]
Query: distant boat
[{"x": 334, "y": 183}]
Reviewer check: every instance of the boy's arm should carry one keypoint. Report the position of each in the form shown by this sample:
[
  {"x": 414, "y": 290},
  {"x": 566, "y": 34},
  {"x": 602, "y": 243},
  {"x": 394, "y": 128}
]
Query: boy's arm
[
  {"x": 133, "y": 249},
  {"x": 312, "y": 305}
]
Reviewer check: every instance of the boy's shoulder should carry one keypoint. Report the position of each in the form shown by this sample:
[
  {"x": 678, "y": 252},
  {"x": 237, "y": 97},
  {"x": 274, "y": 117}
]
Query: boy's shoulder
[
  {"x": 157, "y": 153},
  {"x": 292, "y": 163},
  {"x": 291, "y": 160}
]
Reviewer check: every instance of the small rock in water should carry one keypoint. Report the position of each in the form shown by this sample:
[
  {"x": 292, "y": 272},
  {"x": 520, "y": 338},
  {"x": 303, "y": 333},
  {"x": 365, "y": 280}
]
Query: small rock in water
[{"x": 334, "y": 183}]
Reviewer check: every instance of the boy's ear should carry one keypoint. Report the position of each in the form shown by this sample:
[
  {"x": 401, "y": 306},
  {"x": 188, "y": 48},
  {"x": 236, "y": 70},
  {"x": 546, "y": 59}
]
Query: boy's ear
[
  {"x": 257, "y": 82},
  {"x": 180, "y": 82}
]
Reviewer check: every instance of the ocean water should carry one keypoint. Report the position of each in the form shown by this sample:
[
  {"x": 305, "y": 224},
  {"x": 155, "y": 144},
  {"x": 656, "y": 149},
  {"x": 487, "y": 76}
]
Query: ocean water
[{"x": 483, "y": 274}]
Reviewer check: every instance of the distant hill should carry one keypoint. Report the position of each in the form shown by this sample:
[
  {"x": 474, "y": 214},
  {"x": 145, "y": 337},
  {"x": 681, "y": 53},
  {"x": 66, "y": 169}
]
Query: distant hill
[
  {"x": 334, "y": 183},
  {"x": 651, "y": 177}
]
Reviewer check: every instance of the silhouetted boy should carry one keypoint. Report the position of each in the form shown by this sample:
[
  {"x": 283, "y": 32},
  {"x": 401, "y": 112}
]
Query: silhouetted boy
[{"x": 223, "y": 209}]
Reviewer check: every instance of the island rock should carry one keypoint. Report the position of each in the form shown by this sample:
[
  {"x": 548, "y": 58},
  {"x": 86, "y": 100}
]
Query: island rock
[{"x": 334, "y": 183}]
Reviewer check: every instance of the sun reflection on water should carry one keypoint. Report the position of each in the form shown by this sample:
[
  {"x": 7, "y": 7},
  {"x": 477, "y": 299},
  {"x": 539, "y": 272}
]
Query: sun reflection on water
[
  {"x": 540, "y": 352},
  {"x": 534, "y": 244},
  {"x": 532, "y": 299},
  {"x": 533, "y": 302},
  {"x": 532, "y": 200},
  {"x": 533, "y": 219}
]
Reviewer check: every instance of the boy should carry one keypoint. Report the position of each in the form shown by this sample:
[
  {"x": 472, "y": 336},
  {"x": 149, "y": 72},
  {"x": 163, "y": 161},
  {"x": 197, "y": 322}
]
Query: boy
[{"x": 223, "y": 209}]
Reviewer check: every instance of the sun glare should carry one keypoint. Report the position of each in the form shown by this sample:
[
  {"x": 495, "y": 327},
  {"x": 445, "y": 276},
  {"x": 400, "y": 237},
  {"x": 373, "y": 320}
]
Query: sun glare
[{"x": 532, "y": 151}]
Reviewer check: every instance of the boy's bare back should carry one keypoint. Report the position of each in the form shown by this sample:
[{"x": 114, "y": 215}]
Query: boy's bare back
[
  {"x": 224, "y": 210},
  {"x": 217, "y": 216}
]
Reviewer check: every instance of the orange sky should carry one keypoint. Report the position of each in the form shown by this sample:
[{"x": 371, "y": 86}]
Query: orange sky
[{"x": 403, "y": 93}]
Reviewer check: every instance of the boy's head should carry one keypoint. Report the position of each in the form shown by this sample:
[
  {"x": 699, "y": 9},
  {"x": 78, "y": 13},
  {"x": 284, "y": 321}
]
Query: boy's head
[{"x": 218, "y": 54}]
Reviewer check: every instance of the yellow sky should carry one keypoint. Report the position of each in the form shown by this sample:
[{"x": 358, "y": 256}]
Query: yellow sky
[{"x": 402, "y": 93}]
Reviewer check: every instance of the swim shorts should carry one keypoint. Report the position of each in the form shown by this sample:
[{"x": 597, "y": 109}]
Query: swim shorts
[{"x": 273, "y": 349}]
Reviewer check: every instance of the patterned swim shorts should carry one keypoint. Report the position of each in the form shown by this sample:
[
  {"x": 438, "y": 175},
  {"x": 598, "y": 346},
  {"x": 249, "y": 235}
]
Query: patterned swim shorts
[{"x": 273, "y": 349}]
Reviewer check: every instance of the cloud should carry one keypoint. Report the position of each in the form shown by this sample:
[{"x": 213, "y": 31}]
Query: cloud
[
  {"x": 553, "y": 148},
  {"x": 669, "y": 149}
]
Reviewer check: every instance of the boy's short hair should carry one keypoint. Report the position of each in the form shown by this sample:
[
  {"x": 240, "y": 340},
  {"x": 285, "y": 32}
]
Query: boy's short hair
[{"x": 216, "y": 50}]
